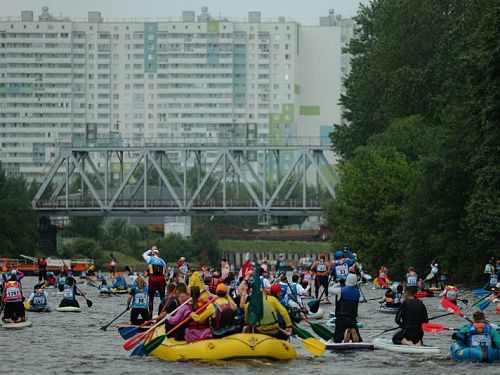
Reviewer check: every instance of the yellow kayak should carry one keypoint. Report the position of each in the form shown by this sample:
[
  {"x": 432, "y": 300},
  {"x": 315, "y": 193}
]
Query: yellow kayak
[{"x": 237, "y": 346}]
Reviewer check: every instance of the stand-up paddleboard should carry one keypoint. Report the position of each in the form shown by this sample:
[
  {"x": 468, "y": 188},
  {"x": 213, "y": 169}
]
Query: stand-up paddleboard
[
  {"x": 330, "y": 323},
  {"x": 46, "y": 309},
  {"x": 388, "y": 310},
  {"x": 69, "y": 309},
  {"x": 19, "y": 325},
  {"x": 343, "y": 346},
  {"x": 387, "y": 344}
]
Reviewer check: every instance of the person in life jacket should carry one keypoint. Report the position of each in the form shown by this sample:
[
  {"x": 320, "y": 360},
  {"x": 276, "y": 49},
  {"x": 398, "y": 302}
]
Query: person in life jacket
[
  {"x": 156, "y": 273},
  {"x": 340, "y": 269},
  {"x": 51, "y": 280},
  {"x": 214, "y": 281},
  {"x": 410, "y": 316},
  {"x": 42, "y": 269},
  {"x": 69, "y": 294},
  {"x": 196, "y": 280},
  {"x": 99, "y": 276},
  {"x": 296, "y": 293},
  {"x": 183, "y": 312},
  {"x": 281, "y": 264},
  {"x": 112, "y": 266},
  {"x": 170, "y": 299},
  {"x": 282, "y": 296},
  {"x": 346, "y": 311},
  {"x": 478, "y": 333},
  {"x": 436, "y": 274},
  {"x": 120, "y": 283},
  {"x": 221, "y": 312},
  {"x": 382, "y": 278},
  {"x": 183, "y": 270},
  {"x": 273, "y": 310},
  {"x": 321, "y": 270},
  {"x": 38, "y": 299},
  {"x": 104, "y": 288},
  {"x": 493, "y": 281},
  {"x": 450, "y": 292},
  {"x": 61, "y": 280},
  {"x": 394, "y": 296},
  {"x": 83, "y": 275},
  {"x": 13, "y": 300},
  {"x": 411, "y": 278},
  {"x": 138, "y": 300}
]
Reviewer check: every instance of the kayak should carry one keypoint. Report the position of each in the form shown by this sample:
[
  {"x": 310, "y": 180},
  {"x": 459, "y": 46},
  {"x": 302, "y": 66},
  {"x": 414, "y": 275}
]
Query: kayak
[
  {"x": 330, "y": 323},
  {"x": 69, "y": 309},
  {"x": 237, "y": 346},
  {"x": 461, "y": 352},
  {"x": 342, "y": 346},
  {"x": 19, "y": 325},
  {"x": 119, "y": 291},
  {"x": 317, "y": 315},
  {"x": 387, "y": 344},
  {"x": 388, "y": 310}
]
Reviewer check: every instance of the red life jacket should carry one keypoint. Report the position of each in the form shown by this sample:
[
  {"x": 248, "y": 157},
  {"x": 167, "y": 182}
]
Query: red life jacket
[
  {"x": 224, "y": 315},
  {"x": 213, "y": 284}
]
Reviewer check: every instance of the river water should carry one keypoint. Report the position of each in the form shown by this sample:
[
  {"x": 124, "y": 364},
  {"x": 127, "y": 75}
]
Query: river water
[{"x": 67, "y": 343}]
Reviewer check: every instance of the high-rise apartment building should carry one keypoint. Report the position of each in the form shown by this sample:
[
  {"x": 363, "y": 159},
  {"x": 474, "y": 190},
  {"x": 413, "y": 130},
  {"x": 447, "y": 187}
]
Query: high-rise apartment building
[{"x": 197, "y": 77}]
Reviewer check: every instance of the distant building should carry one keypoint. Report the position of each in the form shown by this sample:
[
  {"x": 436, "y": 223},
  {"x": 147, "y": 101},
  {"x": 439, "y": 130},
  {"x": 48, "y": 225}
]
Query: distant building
[{"x": 196, "y": 76}]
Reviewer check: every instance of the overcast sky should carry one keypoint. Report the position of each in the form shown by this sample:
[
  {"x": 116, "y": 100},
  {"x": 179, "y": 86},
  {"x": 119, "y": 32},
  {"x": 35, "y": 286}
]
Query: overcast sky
[{"x": 304, "y": 11}]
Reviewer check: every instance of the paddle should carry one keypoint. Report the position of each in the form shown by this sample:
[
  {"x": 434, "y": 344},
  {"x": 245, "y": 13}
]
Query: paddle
[
  {"x": 321, "y": 331},
  {"x": 314, "y": 304},
  {"x": 429, "y": 276},
  {"x": 451, "y": 307},
  {"x": 149, "y": 347},
  {"x": 374, "y": 299},
  {"x": 302, "y": 333},
  {"x": 395, "y": 328},
  {"x": 361, "y": 291},
  {"x": 134, "y": 341},
  {"x": 435, "y": 327},
  {"x": 479, "y": 292},
  {"x": 481, "y": 299},
  {"x": 486, "y": 303},
  {"x": 311, "y": 344},
  {"x": 107, "y": 325}
]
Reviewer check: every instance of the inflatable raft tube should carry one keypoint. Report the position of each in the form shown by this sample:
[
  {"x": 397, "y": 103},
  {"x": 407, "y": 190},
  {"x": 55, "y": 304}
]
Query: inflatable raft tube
[
  {"x": 19, "y": 325},
  {"x": 461, "y": 352},
  {"x": 330, "y": 323},
  {"x": 387, "y": 344},
  {"x": 69, "y": 309},
  {"x": 343, "y": 346},
  {"x": 237, "y": 346}
]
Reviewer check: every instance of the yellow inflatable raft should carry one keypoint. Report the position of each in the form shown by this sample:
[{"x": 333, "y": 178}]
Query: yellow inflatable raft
[{"x": 237, "y": 346}]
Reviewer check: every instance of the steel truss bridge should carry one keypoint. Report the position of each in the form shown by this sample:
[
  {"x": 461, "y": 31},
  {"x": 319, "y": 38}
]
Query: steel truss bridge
[{"x": 188, "y": 178}]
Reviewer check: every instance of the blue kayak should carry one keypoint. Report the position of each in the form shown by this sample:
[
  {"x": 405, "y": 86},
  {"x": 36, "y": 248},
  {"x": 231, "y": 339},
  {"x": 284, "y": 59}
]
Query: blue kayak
[{"x": 474, "y": 353}]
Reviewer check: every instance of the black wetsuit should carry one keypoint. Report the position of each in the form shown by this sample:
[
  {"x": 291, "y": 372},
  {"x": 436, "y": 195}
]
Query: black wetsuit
[{"x": 410, "y": 316}]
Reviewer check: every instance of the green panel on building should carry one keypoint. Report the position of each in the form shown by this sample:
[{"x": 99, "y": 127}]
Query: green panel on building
[
  {"x": 213, "y": 26},
  {"x": 296, "y": 88},
  {"x": 309, "y": 110}
]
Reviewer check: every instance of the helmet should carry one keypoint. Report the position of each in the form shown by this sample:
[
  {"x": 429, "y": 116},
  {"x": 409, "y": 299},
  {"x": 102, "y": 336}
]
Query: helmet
[
  {"x": 275, "y": 290},
  {"x": 338, "y": 255}
]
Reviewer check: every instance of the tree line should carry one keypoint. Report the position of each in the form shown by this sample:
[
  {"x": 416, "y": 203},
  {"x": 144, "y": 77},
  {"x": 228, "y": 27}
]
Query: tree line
[{"x": 420, "y": 155}]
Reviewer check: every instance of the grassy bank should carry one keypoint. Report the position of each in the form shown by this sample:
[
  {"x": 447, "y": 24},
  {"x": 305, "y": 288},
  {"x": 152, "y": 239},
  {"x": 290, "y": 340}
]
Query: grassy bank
[{"x": 273, "y": 246}]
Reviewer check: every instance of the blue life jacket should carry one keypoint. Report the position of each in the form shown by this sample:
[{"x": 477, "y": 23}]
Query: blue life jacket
[
  {"x": 483, "y": 338},
  {"x": 281, "y": 297},
  {"x": 69, "y": 293},
  {"x": 411, "y": 280},
  {"x": 281, "y": 265},
  {"x": 398, "y": 298},
  {"x": 140, "y": 300},
  {"x": 293, "y": 295},
  {"x": 157, "y": 266},
  {"x": 61, "y": 280},
  {"x": 39, "y": 301},
  {"x": 104, "y": 288},
  {"x": 341, "y": 271},
  {"x": 347, "y": 304},
  {"x": 120, "y": 283},
  {"x": 493, "y": 280}
]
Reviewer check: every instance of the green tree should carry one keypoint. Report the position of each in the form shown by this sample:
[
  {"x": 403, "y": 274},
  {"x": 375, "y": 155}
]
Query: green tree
[
  {"x": 86, "y": 226},
  {"x": 206, "y": 246},
  {"x": 174, "y": 246}
]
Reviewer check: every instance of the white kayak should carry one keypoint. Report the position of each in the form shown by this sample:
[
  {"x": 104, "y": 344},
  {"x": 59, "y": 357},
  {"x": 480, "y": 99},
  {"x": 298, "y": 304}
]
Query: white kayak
[
  {"x": 19, "y": 325},
  {"x": 317, "y": 315},
  {"x": 387, "y": 344},
  {"x": 69, "y": 309}
]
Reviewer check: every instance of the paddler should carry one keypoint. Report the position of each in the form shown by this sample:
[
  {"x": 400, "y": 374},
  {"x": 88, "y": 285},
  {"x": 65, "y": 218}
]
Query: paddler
[
  {"x": 340, "y": 269},
  {"x": 38, "y": 299},
  {"x": 269, "y": 324},
  {"x": 411, "y": 278},
  {"x": 450, "y": 292},
  {"x": 346, "y": 311},
  {"x": 281, "y": 264},
  {"x": 394, "y": 296},
  {"x": 282, "y": 282},
  {"x": 13, "y": 299},
  {"x": 296, "y": 293},
  {"x": 120, "y": 283},
  {"x": 321, "y": 270},
  {"x": 138, "y": 300},
  {"x": 170, "y": 299},
  {"x": 410, "y": 316},
  {"x": 221, "y": 313},
  {"x": 382, "y": 278},
  {"x": 61, "y": 280},
  {"x": 156, "y": 272},
  {"x": 478, "y": 334},
  {"x": 104, "y": 288},
  {"x": 489, "y": 270},
  {"x": 435, "y": 274},
  {"x": 69, "y": 294}
]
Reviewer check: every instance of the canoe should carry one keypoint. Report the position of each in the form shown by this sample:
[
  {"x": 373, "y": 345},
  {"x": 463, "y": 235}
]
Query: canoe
[
  {"x": 461, "y": 352},
  {"x": 69, "y": 309},
  {"x": 119, "y": 291},
  {"x": 388, "y": 310},
  {"x": 340, "y": 347},
  {"x": 19, "y": 325},
  {"x": 237, "y": 346},
  {"x": 387, "y": 344},
  {"x": 330, "y": 323}
]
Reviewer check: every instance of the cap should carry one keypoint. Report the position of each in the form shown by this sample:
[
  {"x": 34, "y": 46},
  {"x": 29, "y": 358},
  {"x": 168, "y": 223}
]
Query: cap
[
  {"x": 221, "y": 288},
  {"x": 351, "y": 280},
  {"x": 275, "y": 289},
  {"x": 323, "y": 255},
  {"x": 155, "y": 250}
]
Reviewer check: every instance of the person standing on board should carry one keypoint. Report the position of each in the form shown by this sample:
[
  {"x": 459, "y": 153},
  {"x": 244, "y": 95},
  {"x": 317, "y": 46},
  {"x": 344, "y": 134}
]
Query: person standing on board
[
  {"x": 42, "y": 270},
  {"x": 156, "y": 272},
  {"x": 280, "y": 265}
]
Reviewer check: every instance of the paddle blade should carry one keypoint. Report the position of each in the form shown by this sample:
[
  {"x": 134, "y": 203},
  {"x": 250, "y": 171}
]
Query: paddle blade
[
  {"x": 89, "y": 303},
  {"x": 484, "y": 304},
  {"x": 313, "y": 306},
  {"x": 479, "y": 292},
  {"x": 321, "y": 331},
  {"x": 367, "y": 277},
  {"x": 314, "y": 346},
  {"x": 138, "y": 351},
  {"x": 128, "y": 332},
  {"x": 421, "y": 294},
  {"x": 303, "y": 334},
  {"x": 433, "y": 327},
  {"x": 451, "y": 307},
  {"x": 153, "y": 344}
]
